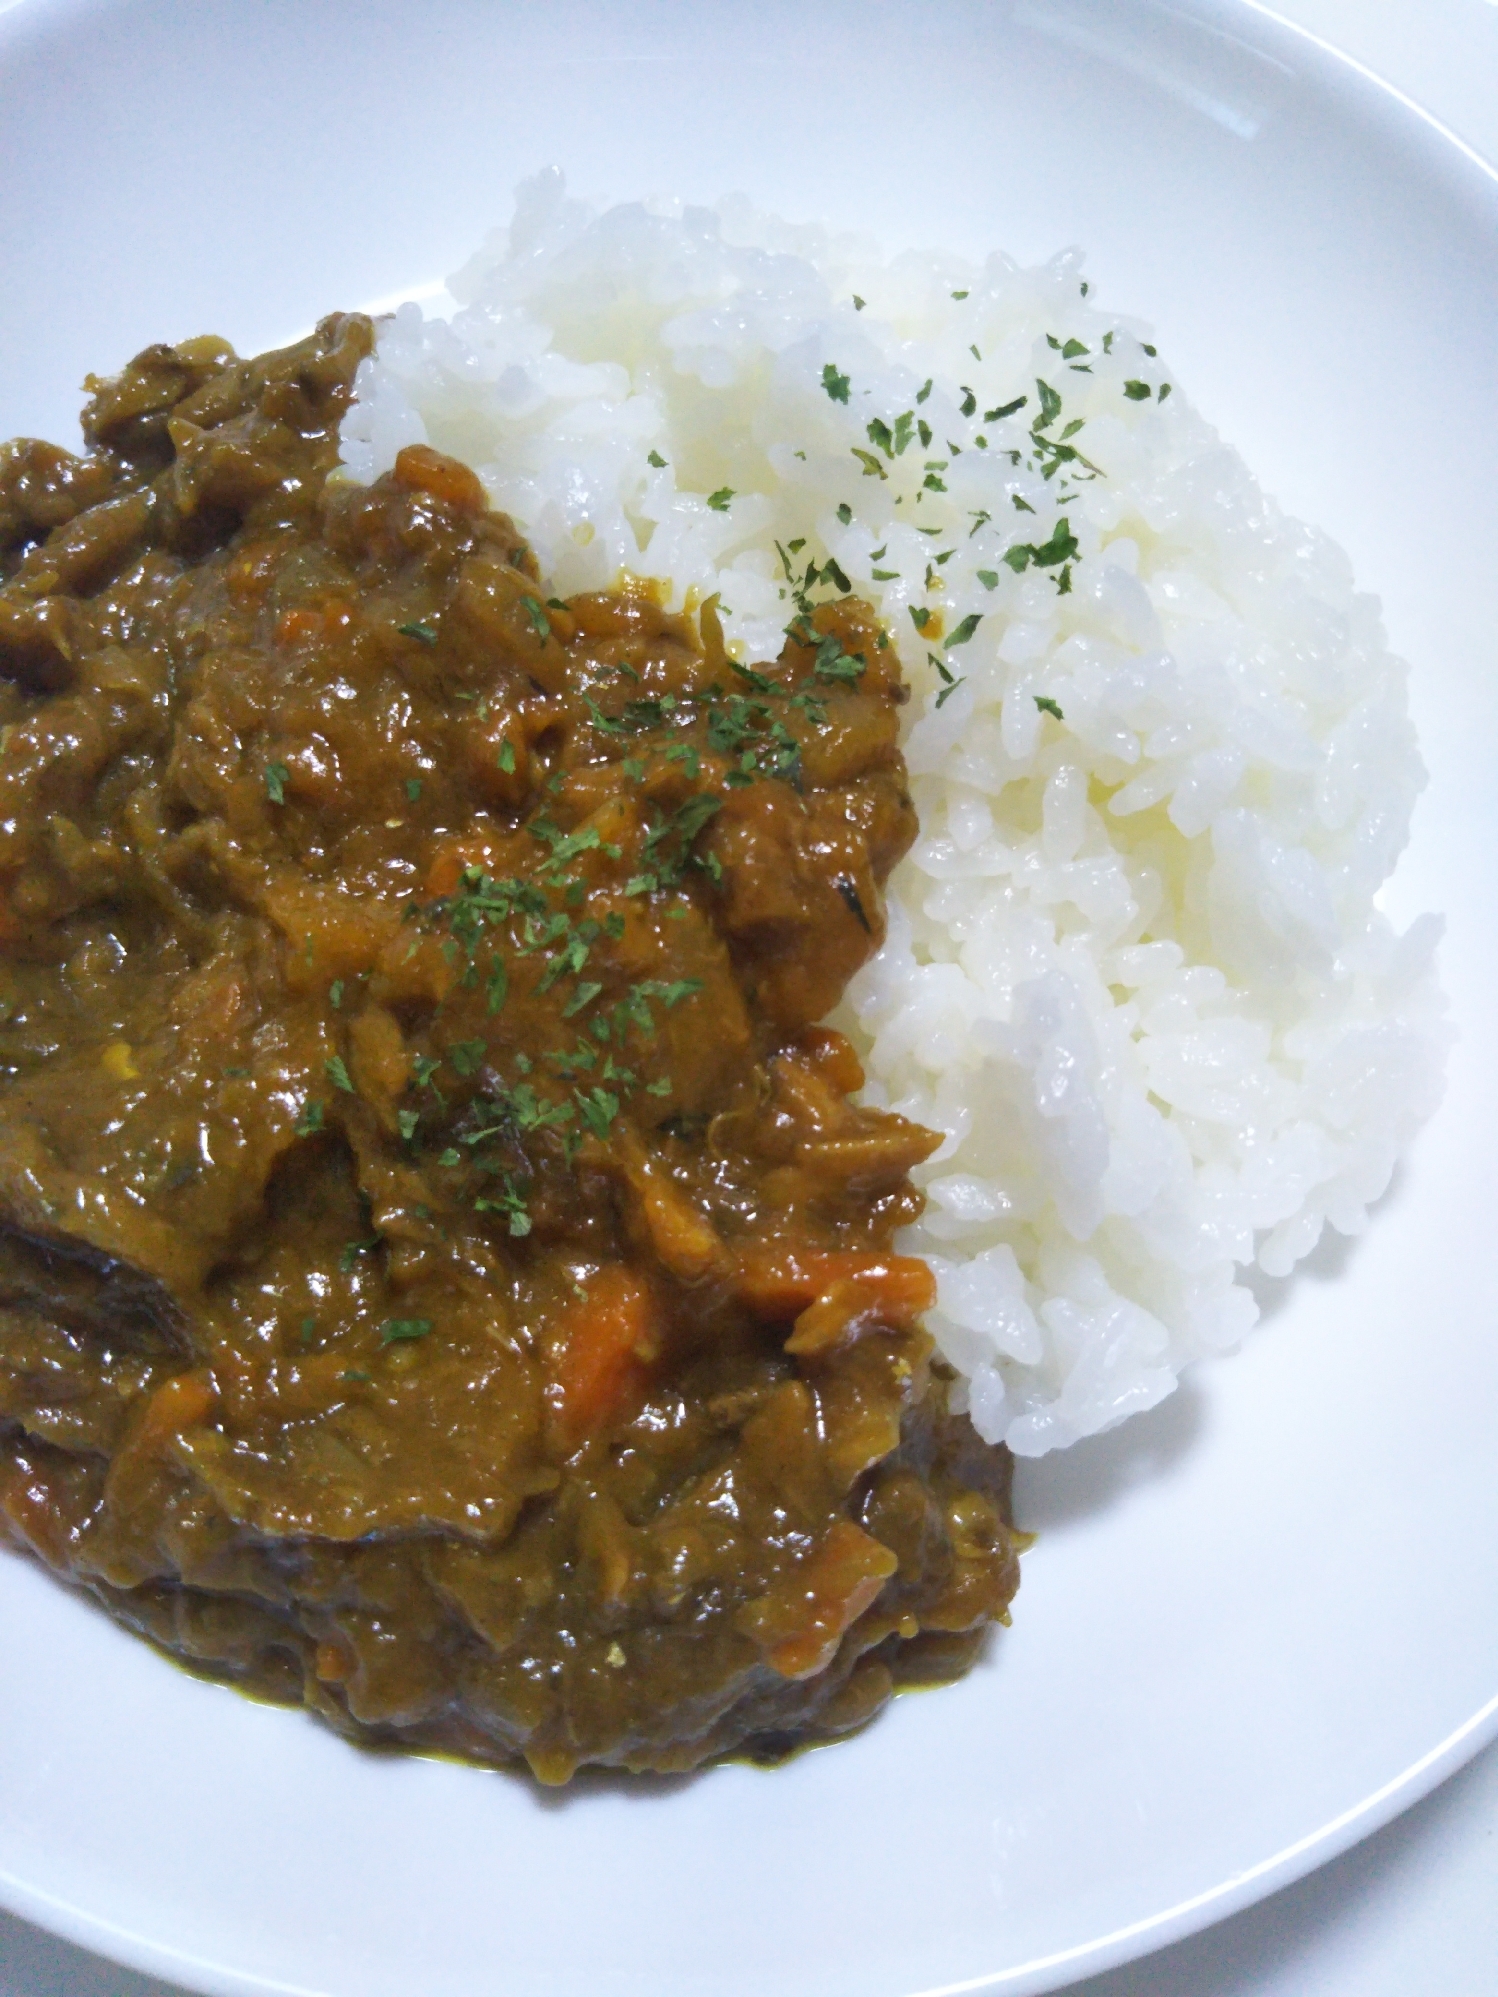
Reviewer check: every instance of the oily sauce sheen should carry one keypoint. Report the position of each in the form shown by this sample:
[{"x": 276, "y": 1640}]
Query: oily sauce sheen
[{"x": 443, "y": 1278}]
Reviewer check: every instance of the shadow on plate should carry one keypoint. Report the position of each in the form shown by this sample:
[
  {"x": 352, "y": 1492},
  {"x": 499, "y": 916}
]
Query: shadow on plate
[
  {"x": 1327, "y": 1262},
  {"x": 1055, "y": 1491}
]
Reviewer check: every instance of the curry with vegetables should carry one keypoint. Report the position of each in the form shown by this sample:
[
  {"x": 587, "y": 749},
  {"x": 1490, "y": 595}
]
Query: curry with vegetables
[{"x": 445, "y": 1278}]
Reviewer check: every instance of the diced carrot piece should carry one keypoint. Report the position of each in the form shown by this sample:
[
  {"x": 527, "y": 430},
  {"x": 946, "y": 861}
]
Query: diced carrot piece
[
  {"x": 894, "y": 1294},
  {"x": 176, "y": 1404},
  {"x": 783, "y": 1278},
  {"x": 684, "y": 1239},
  {"x": 902, "y": 1286},
  {"x": 602, "y": 1353},
  {"x": 841, "y": 1579},
  {"x": 421, "y": 469},
  {"x": 445, "y": 869},
  {"x": 780, "y": 1278},
  {"x": 831, "y": 1054}
]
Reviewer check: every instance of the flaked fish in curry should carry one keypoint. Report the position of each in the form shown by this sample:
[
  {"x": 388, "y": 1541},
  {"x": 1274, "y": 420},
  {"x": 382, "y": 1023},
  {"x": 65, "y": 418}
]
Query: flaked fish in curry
[{"x": 445, "y": 1278}]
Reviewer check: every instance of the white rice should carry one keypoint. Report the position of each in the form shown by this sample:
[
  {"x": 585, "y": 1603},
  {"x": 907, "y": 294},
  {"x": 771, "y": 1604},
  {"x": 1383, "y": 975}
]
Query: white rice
[{"x": 1134, "y": 967}]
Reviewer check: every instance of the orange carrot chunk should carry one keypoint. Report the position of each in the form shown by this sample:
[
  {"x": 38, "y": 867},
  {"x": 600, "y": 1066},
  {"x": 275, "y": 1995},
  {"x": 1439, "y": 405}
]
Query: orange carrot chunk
[
  {"x": 893, "y": 1292},
  {"x": 421, "y": 469},
  {"x": 602, "y": 1353},
  {"x": 831, "y": 1054},
  {"x": 449, "y": 860},
  {"x": 176, "y": 1404},
  {"x": 782, "y": 1279},
  {"x": 837, "y": 1583}
]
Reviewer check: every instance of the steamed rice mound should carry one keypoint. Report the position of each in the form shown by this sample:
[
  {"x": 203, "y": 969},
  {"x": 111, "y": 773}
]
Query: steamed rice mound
[{"x": 1161, "y": 756}]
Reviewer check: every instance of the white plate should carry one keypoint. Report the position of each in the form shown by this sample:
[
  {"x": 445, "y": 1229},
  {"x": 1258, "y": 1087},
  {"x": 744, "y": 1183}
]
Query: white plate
[{"x": 1259, "y": 1621}]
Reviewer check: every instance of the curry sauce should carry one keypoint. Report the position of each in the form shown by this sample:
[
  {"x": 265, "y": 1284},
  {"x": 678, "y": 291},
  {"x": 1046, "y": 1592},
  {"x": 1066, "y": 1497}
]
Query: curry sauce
[{"x": 445, "y": 1278}]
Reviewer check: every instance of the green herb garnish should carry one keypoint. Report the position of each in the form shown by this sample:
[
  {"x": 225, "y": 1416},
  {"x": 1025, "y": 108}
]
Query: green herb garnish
[
  {"x": 1061, "y": 547},
  {"x": 395, "y": 1329},
  {"x": 512, "y": 1202},
  {"x": 540, "y": 622},
  {"x": 598, "y": 1108}
]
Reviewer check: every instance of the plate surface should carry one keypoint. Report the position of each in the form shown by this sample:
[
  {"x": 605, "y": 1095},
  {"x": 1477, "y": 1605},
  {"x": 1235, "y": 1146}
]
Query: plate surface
[{"x": 1259, "y": 1620}]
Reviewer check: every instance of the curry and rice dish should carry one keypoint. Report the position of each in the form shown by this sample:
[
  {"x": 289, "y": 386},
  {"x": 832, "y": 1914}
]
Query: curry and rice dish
[
  {"x": 446, "y": 1279},
  {"x": 643, "y": 922}
]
